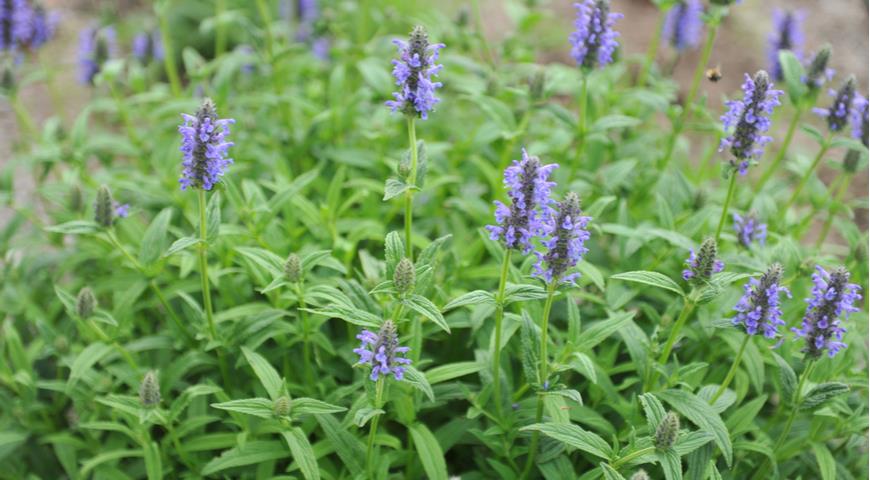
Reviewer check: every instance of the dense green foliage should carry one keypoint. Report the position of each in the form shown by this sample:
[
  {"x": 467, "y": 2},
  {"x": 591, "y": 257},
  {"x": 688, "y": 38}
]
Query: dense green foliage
[{"x": 111, "y": 365}]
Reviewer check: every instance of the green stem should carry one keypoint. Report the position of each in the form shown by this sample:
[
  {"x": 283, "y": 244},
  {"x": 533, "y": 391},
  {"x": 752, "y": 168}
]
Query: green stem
[
  {"x": 581, "y": 120},
  {"x": 499, "y": 316},
  {"x": 809, "y": 173},
  {"x": 373, "y": 429},
  {"x": 306, "y": 345},
  {"x": 690, "y": 98},
  {"x": 203, "y": 265},
  {"x": 732, "y": 183},
  {"x": 845, "y": 179},
  {"x": 266, "y": 16},
  {"x": 783, "y": 436},
  {"x": 631, "y": 456},
  {"x": 652, "y": 50},
  {"x": 22, "y": 116},
  {"x": 409, "y": 194},
  {"x": 220, "y": 38},
  {"x": 543, "y": 373},
  {"x": 783, "y": 150},
  {"x": 731, "y": 372},
  {"x": 688, "y": 306},
  {"x": 168, "y": 51},
  {"x": 121, "y": 350}
]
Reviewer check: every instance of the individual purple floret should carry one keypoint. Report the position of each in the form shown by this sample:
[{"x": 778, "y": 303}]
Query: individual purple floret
[
  {"x": 96, "y": 46},
  {"x": 832, "y": 297},
  {"x": 382, "y": 351},
  {"x": 565, "y": 229},
  {"x": 148, "y": 47},
  {"x": 758, "y": 308},
  {"x": 704, "y": 264},
  {"x": 786, "y": 35},
  {"x": 859, "y": 118},
  {"x": 593, "y": 40},
  {"x": 683, "y": 24},
  {"x": 122, "y": 210},
  {"x": 203, "y": 142},
  {"x": 749, "y": 229},
  {"x": 528, "y": 186},
  {"x": 838, "y": 113},
  {"x": 746, "y": 120},
  {"x": 413, "y": 72}
]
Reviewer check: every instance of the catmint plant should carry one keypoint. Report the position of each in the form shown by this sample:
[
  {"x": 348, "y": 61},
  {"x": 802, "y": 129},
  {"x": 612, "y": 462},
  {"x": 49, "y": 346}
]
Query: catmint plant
[
  {"x": 786, "y": 35},
  {"x": 683, "y": 24}
]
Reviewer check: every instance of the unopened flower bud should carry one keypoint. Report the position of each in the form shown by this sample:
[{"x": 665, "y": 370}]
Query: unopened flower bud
[
  {"x": 149, "y": 390},
  {"x": 405, "y": 276},
  {"x": 61, "y": 344},
  {"x": 281, "y": 406},
  {"x": 86, "y": 303},
  {"x": 75, "y": 198},
  {"x": 640, "y": 475},
  {"x": 851, "y": 161},
  {"x": 666, "y": 433},
  {"x": 293, "y": 268},
  {"x": 104, "y": 208},
  {"x": 536, "y": 85},
  {"x": 818, "y": 71}
]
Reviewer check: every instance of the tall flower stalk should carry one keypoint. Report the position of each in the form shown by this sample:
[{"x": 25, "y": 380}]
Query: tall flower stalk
[
  {"x": 786, "y": 35},
  {"x": 413, "y": 72},
  {"x": 528, "y": 187},
  {"x": 566, "y": 236}
]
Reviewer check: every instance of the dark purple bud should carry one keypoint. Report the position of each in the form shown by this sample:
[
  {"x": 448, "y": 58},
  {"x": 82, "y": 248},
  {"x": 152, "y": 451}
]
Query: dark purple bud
[
  {"x": 104, "y": 207},
  {"x": 667, "y": 431}
]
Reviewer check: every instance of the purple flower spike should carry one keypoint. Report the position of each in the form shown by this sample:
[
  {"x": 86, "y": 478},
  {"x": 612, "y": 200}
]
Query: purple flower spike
[
  {"x": 758, "y": 308},
  {"x": 683, "y": 24},
  {"x": 786, "y": 35},
  {"x": 818, "y": 72},
  {"x": 749, "y": 229},
  {"x": 565, "y": 229},
  {"x": 832, "y": 297},
  {"x": 148, "y": 47},
  {"x": 704, "y": 264},
  {"x": 859, "y": 118},
  {"x": 838, "y": 113},
  {"x": 593, "y": 40},
  {"x": 746, "y": 120},
  {"x": 528, "y": 186},
  {"x": 413, "y": 72},
  {"x": 16, "y": 24},
  {"x": 382, "y": 351},
  {"x": 96, "y": 46},
  {"x": 204, "y": 145}
]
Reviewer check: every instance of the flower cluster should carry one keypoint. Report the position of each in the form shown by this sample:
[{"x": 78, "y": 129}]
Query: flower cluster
[
  {"x": 96, "y": 46},
  {"x": 832, "y": 297},
  {"x": 204, "y": 147},
  {"x": 148, "y": 47},
  {"x": 566, "y": 235},
  {"x": 382, "y": 351},
  {"x": 837, "y": 114},
  {"x": 818, "y": 71},
  {"x": 528, "y": 186},
  {"x": 748, "y": 119},
  {"x": 594, "y": 40},
  {"x": 683, "y": 24},
  {"x": 24, "y": 25},
  {"x": 758, "y": 308},
  {"x": 749, "y": 229},
  {"x": 704, "y": 264},
  {"x": 786, "y": 35},
  {"x": 859, "y": 118},
  {"x": 413, "y": 73}
]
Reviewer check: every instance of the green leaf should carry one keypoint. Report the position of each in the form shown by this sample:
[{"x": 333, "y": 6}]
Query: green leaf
[
  {"x": 249, "y": 453},
  {"x": 311, "y": 406},
  {"x": 350, "y": 450},
  {"x": 88, "y": 357},
  {"x": 182, "y": 243},
  {"x": 363, "y": 415},
  {"x": 213, "y": 218},
  {"x": 75, "y": 227},
  {"x": 822, "y": 393},
  {"x": 654, "y": 411},
  {"x": 702, "y": 415},
  {"x": 670, "y": 463},
  {"x": 283, "y": 196},
  {"x": 154, "y": 240},
  {"x": 591, "y": 272},
  {"x": 269, "y": 261},
  {"x": 429, "y": 451},
  {"x": 443, "y": 373},
  {"x": 599, "y": 331},
  {"x": 609, "y": 472},
  {"x": 393, "y": 188},
  {"x": 609, "y": 122},
  {"x": 654, "y": 279},
  {"x": 423, "y": 306},
  {"x": 786, "y": 376},
  {"x": 258, "y": 407},
  {"x": 153, "y": 467},
  {"x": 476, "y": 297},
  {"x": 585, "y": 365},
  {"x": 352, "y": 315},
  {"x": 814, "y": 132},
  {"x": 573, "y": 436},
  {"x": 419, "y": 381},
  {"x": 267, "y": 374},
  {"x": 302, "y": 453},
  {"x": 394, "y": 250},
  {"x": 523, "y": 293},
  {"x": 794, "y": 74},
  {"x": 10, "y": 441},
  {"x": 827, "y": 464}
]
